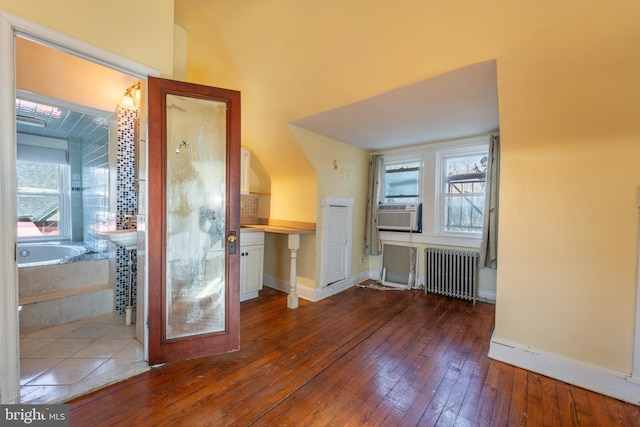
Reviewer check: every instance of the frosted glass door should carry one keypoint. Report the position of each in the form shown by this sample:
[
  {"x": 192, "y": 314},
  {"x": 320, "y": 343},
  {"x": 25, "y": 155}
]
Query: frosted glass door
[
  {"x": 193, "y": 220},
  {"x": 196, "y": 174}
]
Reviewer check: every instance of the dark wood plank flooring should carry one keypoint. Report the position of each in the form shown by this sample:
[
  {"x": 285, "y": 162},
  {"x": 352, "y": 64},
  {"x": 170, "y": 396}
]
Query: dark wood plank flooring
[{"x": 363, "y": 357}]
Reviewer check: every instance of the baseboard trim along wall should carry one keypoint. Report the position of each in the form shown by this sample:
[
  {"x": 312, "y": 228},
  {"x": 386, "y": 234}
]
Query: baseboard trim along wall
[
  {"x": 609, "y": 383},
  {"x": 307, "y": 290},
  {"x": 487, "y": 295}
]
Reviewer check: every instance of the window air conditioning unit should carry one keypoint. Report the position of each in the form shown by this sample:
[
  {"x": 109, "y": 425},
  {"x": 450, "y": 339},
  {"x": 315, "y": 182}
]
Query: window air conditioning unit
[{"x": 400, "y": 217}]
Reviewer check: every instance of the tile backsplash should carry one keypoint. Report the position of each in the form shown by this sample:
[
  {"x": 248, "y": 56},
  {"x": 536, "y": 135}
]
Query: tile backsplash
[{"x": 254, "y": 208}]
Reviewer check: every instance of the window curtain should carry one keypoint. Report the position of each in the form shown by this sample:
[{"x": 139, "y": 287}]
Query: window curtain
[
  {"x": 371, "y": 234},
  {"x": 489, "y": 247}
]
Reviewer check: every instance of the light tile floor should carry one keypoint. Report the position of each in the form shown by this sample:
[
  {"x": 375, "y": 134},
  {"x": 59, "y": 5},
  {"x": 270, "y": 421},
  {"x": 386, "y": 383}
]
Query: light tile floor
[{"x": 65, "y": 361}]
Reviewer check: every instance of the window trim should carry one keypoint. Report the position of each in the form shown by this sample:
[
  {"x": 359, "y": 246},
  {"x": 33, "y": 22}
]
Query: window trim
[
  {"x": 64, "y": 221},
  {"x": 430, "y": 172},
  {"x": 390, "y": 160},
  {"x": 441, "y": 157}
]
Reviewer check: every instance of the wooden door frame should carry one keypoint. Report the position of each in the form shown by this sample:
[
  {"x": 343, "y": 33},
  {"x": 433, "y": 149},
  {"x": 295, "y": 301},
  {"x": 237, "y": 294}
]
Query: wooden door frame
[
  {"x": 635, "y": 362},
  {"x": 10, "y": 26}
]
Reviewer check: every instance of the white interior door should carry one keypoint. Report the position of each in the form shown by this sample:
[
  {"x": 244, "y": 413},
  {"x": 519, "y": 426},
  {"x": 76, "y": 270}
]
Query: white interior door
[{"x": 336, "y": 241}]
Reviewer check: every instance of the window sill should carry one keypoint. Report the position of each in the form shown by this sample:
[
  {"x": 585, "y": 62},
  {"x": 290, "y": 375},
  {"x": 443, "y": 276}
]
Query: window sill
[{"x": 472, "y": 242}]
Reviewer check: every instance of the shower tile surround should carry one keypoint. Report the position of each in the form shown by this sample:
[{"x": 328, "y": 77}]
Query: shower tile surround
[{"x": 93, "y": 186}]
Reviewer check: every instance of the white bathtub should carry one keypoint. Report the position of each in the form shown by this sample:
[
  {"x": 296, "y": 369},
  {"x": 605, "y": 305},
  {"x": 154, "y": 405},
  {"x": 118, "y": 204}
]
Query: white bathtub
[{"x": 46, "y": 254}]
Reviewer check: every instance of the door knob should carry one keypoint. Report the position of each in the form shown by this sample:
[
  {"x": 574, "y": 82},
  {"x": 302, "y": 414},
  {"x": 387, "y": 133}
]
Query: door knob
[{"x": 231, "y": 238}]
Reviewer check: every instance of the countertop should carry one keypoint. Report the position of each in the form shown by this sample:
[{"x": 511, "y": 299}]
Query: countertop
[
  {"x": 275, "y": 229},
  {"x": 251, "y": 229}
]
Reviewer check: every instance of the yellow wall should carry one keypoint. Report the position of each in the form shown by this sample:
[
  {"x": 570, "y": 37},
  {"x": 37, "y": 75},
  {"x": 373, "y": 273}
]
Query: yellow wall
[
  {"x": 139, "y": 30},
  {"x": 568, "y": 282},
  {"x": 342, "y": 173},
  {"x": 568, "y": 89}
]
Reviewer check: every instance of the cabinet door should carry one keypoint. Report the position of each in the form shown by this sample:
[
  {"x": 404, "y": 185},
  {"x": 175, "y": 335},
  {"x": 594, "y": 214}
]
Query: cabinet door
[{"x": 252, "y": 267}]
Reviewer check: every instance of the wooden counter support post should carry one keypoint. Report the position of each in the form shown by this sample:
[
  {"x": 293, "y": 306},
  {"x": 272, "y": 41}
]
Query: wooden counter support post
[{"x": 294, "y": 245}]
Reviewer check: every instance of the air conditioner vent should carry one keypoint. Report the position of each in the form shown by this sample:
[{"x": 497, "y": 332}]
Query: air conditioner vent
[{"x": 399, "y": 217}]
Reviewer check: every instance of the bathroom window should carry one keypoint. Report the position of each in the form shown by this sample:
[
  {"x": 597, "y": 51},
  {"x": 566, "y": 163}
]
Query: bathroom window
[{"x": 41, "y": 200}]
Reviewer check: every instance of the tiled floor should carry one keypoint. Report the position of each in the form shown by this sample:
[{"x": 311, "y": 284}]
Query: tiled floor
[{"x": 65, "y": 361}]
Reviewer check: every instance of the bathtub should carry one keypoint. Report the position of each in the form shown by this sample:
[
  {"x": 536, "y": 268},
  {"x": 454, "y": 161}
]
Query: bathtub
[
  {"x": 47, "y": 254},
  {"x": 60, "y": 283}
]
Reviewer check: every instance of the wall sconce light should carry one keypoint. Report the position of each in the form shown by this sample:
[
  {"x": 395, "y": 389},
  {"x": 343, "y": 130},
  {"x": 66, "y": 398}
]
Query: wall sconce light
[{"x": 131, "y": 98}]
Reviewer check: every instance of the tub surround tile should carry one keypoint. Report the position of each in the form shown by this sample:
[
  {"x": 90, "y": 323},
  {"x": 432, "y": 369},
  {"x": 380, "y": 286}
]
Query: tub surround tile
[
  {"x": 87, "y": 305},
  {"x": 63, "y": 310},
  {"x": 68, "y": 292},
  {"x": 49, "y": 278}
]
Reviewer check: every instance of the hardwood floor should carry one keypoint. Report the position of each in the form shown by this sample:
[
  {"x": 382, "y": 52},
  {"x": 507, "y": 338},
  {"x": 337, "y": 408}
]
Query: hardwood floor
[{"x": 363, "y": 357}]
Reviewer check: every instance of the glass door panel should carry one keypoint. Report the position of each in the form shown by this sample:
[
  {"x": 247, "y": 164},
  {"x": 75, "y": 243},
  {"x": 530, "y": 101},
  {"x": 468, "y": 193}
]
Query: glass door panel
[{"x": 196, "y": 175}]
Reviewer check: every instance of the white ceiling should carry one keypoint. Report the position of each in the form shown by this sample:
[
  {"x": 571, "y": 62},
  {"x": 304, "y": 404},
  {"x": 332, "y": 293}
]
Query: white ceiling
[{"x": 460, "y": 103}]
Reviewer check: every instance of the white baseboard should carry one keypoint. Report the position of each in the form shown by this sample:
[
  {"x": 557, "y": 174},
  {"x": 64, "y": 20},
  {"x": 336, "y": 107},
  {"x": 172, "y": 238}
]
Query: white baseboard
[
  {"x": 488, "y": 295},
  {"x": 308, "y": 291},
  {"x": 609, "y": 383}
]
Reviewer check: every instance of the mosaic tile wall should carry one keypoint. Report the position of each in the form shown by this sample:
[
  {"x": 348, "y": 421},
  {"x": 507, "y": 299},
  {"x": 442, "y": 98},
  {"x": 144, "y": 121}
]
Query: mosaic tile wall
[
  {"x": 126, "y": 202},
  {"x": 249, "y": 209}
]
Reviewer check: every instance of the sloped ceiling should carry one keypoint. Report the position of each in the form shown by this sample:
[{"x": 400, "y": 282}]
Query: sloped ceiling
[{"x": 460, "y": 103}]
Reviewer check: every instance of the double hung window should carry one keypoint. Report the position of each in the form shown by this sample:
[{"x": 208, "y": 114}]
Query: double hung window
[
  {"x": 462, "y": 189},
  {"x": 402, "y": 181}
]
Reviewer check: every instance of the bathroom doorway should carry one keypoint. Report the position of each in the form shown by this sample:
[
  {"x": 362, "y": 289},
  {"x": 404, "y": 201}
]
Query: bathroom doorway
[
  {"x": 75, "y": 88},
  {"x": 69, "y": 283}
]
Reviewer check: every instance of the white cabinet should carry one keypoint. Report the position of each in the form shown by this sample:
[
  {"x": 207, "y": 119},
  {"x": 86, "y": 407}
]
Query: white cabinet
[
  {"x": 245, "y": 170},
  {"x": 251, "y": 263}
]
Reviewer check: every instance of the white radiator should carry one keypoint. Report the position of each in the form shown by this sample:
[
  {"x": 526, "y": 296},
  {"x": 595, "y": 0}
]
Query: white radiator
[{"x": 451, "y": 272}]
